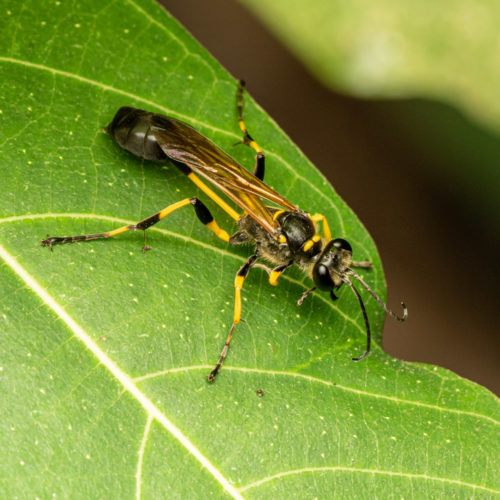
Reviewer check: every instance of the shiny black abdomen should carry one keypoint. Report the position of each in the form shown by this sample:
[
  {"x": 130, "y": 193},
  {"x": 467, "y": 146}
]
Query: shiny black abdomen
[{"x": 131, "y": 129}]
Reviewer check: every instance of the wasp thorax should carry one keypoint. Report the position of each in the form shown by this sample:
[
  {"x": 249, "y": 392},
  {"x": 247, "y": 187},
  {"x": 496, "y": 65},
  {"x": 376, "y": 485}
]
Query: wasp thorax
[
  {"x": 332, "y": 264},
  {"x": 298, "y": 228}
]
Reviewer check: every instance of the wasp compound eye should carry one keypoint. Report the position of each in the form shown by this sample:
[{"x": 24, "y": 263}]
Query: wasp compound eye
[
  {"x": 322, "y": 277},
  {"x": 341, "y": 244}
]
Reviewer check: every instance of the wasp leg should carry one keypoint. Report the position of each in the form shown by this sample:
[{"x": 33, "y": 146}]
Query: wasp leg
[
  {"x": 238, "y": 285},
  {"x": 260, "y": 159},
  {"x": 326, "y": 227},
  {"x": 201, "y": 210},
  {"x": 276, "y": 273},
  {"x": 366, "y": 264},
  {"x": 213, "y": 196}
]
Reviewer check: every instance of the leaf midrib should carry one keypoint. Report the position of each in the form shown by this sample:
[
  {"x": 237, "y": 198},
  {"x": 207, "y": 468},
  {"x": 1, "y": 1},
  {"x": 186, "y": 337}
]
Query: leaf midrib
[
  {"x": 154, "y": 412},
  {"x": 115, "y": 370}
]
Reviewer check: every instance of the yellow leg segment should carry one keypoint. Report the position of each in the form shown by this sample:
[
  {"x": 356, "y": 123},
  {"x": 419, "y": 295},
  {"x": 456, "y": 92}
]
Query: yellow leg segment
[
  {"x": 238, "y": 285},
  {"x": 247, "y": 139},
  {"x": 171, "y": 208},
  {"x": 213, "y": 196},
  {"x": 149, "y": 221},
  {"x": 201, "y": 210},
  {"x": 276, "y": 273},
  {"x": 326, "y": 227},
  {"x": 260, "y": 159},
  {"x": 120, "y": 230},
  {"x": 220, "y": 233},
  {"x": 273, "y": 278}
]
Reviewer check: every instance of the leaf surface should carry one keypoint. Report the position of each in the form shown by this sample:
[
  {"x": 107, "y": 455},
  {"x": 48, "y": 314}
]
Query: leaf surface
[{"x": 105, "y": 350}]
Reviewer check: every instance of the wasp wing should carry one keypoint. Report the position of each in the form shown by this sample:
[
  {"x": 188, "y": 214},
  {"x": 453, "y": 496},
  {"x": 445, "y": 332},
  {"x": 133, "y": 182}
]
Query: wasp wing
[{"x": 184, "y": 144}]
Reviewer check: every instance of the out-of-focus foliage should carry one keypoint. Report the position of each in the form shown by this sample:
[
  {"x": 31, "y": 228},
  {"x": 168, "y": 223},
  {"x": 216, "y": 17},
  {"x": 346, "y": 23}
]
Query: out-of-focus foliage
[{"x": 448, "y": 50}]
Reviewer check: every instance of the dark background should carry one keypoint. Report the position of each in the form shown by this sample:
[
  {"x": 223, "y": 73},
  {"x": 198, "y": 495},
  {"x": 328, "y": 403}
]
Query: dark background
[{"x": 408, "y": 169}]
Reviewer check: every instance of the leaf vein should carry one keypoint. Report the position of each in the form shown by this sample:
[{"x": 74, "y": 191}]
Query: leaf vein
[
  {"x": 124, "y": 379},
  {"x": 188, "y": 239},
  {"x": 318, "y": 380},
  {"x": 392, "y": 474},
  {"x": 142, "y": 449},
  {"x": 190, "y": 119}
]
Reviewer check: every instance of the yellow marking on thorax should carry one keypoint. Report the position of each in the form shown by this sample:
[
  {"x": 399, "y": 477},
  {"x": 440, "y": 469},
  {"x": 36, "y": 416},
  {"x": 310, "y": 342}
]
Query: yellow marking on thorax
[
  {"x": 308, "y": 245},
  {"x": 277, "y": 214}
]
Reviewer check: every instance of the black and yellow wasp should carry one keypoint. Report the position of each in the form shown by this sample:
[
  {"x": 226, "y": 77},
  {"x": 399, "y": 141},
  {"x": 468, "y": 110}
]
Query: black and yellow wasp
[{"x": 283, "y": 236}]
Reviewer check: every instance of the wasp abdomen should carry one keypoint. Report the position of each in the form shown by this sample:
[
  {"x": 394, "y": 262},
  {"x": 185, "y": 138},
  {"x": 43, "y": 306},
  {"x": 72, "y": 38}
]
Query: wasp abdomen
[{"x": 131, "y": 129}]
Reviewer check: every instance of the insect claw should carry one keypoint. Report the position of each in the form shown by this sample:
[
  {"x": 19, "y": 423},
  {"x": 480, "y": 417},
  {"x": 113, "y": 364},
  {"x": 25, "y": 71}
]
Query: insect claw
[
  {"x": 212, "y": 375},
  {"x": 48, "y": 243},
  {"x": 146, "y": 248}
]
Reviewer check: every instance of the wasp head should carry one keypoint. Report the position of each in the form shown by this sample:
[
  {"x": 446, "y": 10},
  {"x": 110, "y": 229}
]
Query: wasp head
[
  {"x": 332, "y": 269},
  {"x": 335, "y": 259}
]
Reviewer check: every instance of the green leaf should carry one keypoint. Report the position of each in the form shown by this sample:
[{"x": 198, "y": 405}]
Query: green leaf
[
  {"x": 105, "y": 350},
  {"x": 447, "y": 50}
]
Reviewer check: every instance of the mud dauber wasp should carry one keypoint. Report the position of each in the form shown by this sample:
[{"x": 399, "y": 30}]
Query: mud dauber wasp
[{"x": 283, "y": 236}]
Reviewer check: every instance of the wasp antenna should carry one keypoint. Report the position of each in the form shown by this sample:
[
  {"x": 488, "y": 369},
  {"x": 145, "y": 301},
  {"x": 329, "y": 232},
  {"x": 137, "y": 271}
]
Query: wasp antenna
[
  {"x": 392, "y": 314},
  {"x": 365, "y": 316}
]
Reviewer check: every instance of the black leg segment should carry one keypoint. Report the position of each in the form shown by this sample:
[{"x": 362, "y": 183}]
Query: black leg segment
[
  {"x": 238, "y": 285},
  {"x": 260, "y": 159},
  {"x": 200, "y": 208}
]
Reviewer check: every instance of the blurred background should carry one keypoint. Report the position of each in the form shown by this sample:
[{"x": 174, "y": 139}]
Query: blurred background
[{"x": 421, "y": 173}]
